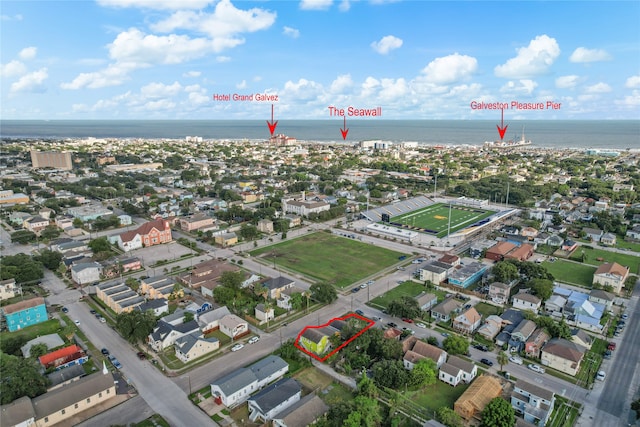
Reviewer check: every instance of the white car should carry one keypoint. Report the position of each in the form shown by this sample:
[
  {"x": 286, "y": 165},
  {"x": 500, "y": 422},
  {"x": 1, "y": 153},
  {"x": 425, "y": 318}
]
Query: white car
[
  {"x": 601, "y": 375},
  {"x": 77, "y": 322},
  {"x": 364, "y": 285},
  {"x": 536, "y": 368},
  {"x": 516, "y": 360},
  {"x": 421, "y": 325},
  {"x": 253, "y": 340},
  {"x": 237, "y": 347}
]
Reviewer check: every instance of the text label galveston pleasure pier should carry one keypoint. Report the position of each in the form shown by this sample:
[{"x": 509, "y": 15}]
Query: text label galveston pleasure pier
[{"x": 515, "y": 105}]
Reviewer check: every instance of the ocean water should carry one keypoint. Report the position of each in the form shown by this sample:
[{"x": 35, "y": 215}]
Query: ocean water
[{"x": 557, "y": 134}]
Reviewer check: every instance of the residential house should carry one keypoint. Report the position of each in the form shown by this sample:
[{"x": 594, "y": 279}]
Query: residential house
[
  {"x": 264, "y": 313},
  {"x": 533, "y": 402},
  {"x": 521, "y": 253},
  {"x": 236, "y": 387},
  {"x": 443, "y": 311},
  {"x": 193, "y": 346},
  {"x": 562, "y": 355},
  {"x": 633, "y": 233},
  {"x": 273, "y": 399},
  {"x": 468, "y": 321},
  {"x": 210, "y": 320},
  {"x": 499, "y": 292},
  {"x": 529, "y": 232},
  {"x": 521, "y": 334},
  {"x": 456, "y": 369},
  {"x": 581, "y": 338},
  {"x": 498, "y": 251},
  {"x": 554, "y": 306},
  {"x": 35, "y": 224},
  {"x": 476, "y": 397},
  {"x": 277, "y": 285},
  {"x": 315, "y": 340},
  {"x": 64, "y": 357},
  {"x": 233, "y": 326},
  {"x": 491, "y": 327},
  {"x": 195, "y": 222},
  {"x": 511, "y": 318},
  {"x": 158, "y": 306},
  {"x": 165, "y": 334},
  {"x": 450, "y": 259},
  {"x": 50, "y": 340},
  {"x": 569, "y": 245},
  {"x": 285, "y": 297},
  {"x": 86, "y": 272},
  {"x": 415, "y": 350},
  {"x": 434, "y": 272},
  {"x": 526, "y": 301},
  {"x": 303, "y": 413},
  {"x": 426, "y": 301},
  {"x": 61, "y": 404},
  {"x": 535, "y": 342},
  {"x": 265, "y": 226},
  {"x": 593, "y": 234},
  {"x": 304, "y": 207},
  {"x": 65, "y": 376},
  {"x": 611, "y": 274},
  {"x": 608, "y": 239},
  {"x": 206, "y": 275},
  {"x": 24, "y": 313},
  {"x": 602, "y": 297},
  {"x": 7, "y": 289},
  {"x": 151, "y": 233},
  {"x": 225, "y": 240}
]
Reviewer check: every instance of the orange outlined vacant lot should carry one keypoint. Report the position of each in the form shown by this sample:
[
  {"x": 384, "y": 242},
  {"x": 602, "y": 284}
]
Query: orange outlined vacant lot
[{"x": 369, "y": 322}]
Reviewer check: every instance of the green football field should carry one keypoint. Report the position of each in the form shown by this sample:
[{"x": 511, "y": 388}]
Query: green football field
[{"x": 434, "y": 219}]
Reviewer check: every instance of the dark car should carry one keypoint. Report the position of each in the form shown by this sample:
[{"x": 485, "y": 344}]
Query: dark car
[
  {"x": 105, "y": 351},
  {"x": 611, "y": 346},
  {"x": 481, "y": 347},
  {"x": 486, "y": 362},
  {"x": 360, "y": 312},
  {"x": 141, "y": 355},
  {"x": 354, "y": 290},
  {"x": 391, "y": 325},
  {"x": 92, "y": 311},
  {"x": 65, "y": 310},
  {"x": 607, "y": 354}
]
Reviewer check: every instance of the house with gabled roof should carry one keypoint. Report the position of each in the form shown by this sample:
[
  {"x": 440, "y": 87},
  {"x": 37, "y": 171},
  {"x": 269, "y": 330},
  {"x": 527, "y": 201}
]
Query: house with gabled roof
[
  {"x": 499, "y": 292},
  {"x": 602, "y": 297},
  {"x": 276, "y": 285},
  {"x": 165, "y": 334},
  {"x": 415, "y": 350},
  {"x": 24, "y": 313},
  {"x": 236, "y": 387},
  {"x": 194, "y": 345},
  {"x": 150, "y": 233},
  {"x": 86, "y": 272},
  {"x": 456, "y": 369},
  {"x": 581, "y": 338},
  {"x": 562, "y": 355},
  {"x": 533, "y": 402},
  {"x": 467, "y": 322},
  {"x": 443, "y": 311},
  {"x": 233, "y": 326},
  {"x": 302, "y": 413},
  {"x": 611, "y": 274},
  {"x": 273, "y": 399},
  {"x": 209, "y": 321},
  {"x": 521, "y": 334},
  {"x": 526, "y": 301},
  {"x": 491, "y": 327},
  {"x": 63, "y": 357},
  {"x": 535, "y": 342}
]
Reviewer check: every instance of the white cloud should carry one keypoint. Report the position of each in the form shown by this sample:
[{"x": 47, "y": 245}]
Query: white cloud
[
  {"x": 113, "y": 75},
  {"x": 315, "y": 4},
  {"x": 222, "y": 59},
  {"x": 633, "y": 82},
  {"x": 14, "y": 68},
  {"x": 523, "y": 86},
  {"x": 450, "y": 69},
  {"x": 303, "y": 90},
  {"x": 242, "y": 85},
  {"x": 532, "y": 60},
  {"x": 598, "y": 88},
  {"x": 135, "y": 47},
  {"x": 567, "y": 82},
  {"x": 28, "y": 53},
  {"x": 341, "y": 84},
  {"x": 386, "y": 44},
  {"x": 160, "y": 90},
  {"x": 156, "y": 4},
  {"x": 392, "y": 89},
  {"x": 344, "y": 6},
  {"x": 31, "y": 82},
  {"x": 198, "y": 98},
  {"x": 192, "y": 74},
  {"x": 11, "y": 18},
  {"x": 291, "y": 32},
  {"x": 222, "y": 25},
  {"x": 632, "y": 101},
  {"x": 582, "y": 54}
]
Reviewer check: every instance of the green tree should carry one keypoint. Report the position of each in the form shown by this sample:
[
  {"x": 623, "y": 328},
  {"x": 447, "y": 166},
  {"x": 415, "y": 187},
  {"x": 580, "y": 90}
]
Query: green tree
[
  {"x": 498, "y": 413},
  {"x": 390, "y": 373},
  {"x": 455, "y": 344},
  {"x": 223, "y": 295},
  {"x": 20, "y": 377},
  {"x": 232, "y": 279},
  {"x": 433, "y": 341},
  {"x": 23, "y": 237},
  {"x": 11, "y": 344},
  {"x": 635, "y": 406},
  {"x": 323, "y": 293},
  {"x": 50, "y": 232},
  {"x": 369, "y": 411},
  {"x": 248, "y": 232},
  {"x": 449, "y": 417},
  {"x": 425, "y": 372},
  {"x": 366, "y": 387},
  {"x": 135, "y": 325},
  {"x": 38, "y": 350},
  {"x": 505, "y": 272},
  {"x": 502, "y": 359},
  {"x": 543, "y": 288},
  {"x": 188, "y": 317},
  {"x": 50, "y": 259},
  {"x": 101, "y": 244},
  {"x": 404, "y": 307},
  {"x": 21, "y": 267}
]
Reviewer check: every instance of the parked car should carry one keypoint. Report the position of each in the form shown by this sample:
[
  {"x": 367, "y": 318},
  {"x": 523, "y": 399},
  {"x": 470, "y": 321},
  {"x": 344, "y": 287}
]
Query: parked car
[
  {"x": 536, "y": 368},
  {"x": 421, "y": 325},
  {"x": 406, "y": 319},
  {"x": 486, "y": 362},
  {"x": 611, "y": 346},
  {"x": 237, "y": 347},
  {"x": 360, "y": 312},
  {"x": 444, "y": 334},
  {"x": 481, "y": 347},
  {"x": 141, "y": 355},
  {"x": 102, "y": 320},
  {"x": 104, "y": 351},
  {"x": 376, "y": 318},
  {"x": 391, "y": 325},
  {"x": 77, "y": 322},
  {"x": 624, "y": 316},
  {"x": 601, "y": 375},
  {"x": 516, "y": 360},
  {"x": 607, "y": 354},
  {"x": 253, "y": 340},
  {"x": 65, "y": 310},
  {"x": 354, "y": 290},
  {"x": 364, "y": 285}
]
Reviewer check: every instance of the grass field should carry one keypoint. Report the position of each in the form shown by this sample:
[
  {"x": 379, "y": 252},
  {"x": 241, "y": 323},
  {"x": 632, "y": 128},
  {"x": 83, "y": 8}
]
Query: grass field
[
  {"x": 328, "y": 258},
  {"x": 571, "y": 272},
  {"x": 434, "y": 219},
  {"x": 598, "y": 256},
  {"x": 409, "y": 289}
]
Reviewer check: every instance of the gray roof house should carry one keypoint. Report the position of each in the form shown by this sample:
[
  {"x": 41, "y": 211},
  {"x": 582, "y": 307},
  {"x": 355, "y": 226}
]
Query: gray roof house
[
  {"x": 535, "y": 403},
  {"x": 274, "y": 399},
  {"x": 165, "y": 334},
  {"x": 302, "y": 413},
  {"x": 442, "y": 312}
]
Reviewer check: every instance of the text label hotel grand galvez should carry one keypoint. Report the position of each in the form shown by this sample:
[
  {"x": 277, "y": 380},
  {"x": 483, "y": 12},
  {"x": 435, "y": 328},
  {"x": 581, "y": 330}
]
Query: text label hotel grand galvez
[
  {"x": 515, "y": 105},
  {"x": 353, "y": 111},
  {"x": 270, "y": 97}
]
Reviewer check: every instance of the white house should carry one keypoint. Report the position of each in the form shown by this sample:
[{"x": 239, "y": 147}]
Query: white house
[
  {"x": 272, "y": 400},
  {"x": 192, "y": 346},
  {"x": 7, "y": 289},
  {"x": 526, "y": 301},
  {"x": 456, "y": 369},
  {"x": 210, "y": 320},
  {"x": 233, "y": 326},
  {"x": 86, "y": 272},
  {"x": 165, "y": 334},
  {"x": 533, "y": 402}
]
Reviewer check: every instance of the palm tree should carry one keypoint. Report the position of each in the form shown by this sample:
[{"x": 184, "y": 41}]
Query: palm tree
[{"x": 503, "y": 359}]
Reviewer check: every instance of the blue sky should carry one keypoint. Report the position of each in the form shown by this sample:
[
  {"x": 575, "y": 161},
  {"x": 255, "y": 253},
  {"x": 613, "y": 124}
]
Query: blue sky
[{"x": 164, "y": 59}]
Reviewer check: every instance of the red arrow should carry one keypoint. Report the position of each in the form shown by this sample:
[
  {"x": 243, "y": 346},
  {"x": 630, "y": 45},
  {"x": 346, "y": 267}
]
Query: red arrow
[
  {"x": 344, "y": 131},
  {"x": 272, "y": 125},
  {"x": 502, "y": 128}
]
